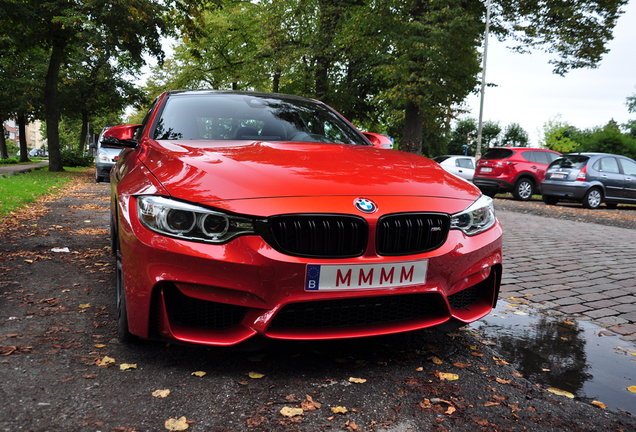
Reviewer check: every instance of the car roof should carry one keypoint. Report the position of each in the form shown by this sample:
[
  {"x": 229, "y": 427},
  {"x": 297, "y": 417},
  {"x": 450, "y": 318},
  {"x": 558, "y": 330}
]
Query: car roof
[{"x": 282, "y": 96}]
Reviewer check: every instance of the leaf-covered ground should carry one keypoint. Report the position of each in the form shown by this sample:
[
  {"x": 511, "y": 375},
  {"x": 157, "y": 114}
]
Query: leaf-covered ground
[{"x": 62, "y": 367}]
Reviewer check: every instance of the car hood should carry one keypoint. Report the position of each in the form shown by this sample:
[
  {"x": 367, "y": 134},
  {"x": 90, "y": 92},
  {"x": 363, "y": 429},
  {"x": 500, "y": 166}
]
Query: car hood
[{"x": 198, "y": 171}]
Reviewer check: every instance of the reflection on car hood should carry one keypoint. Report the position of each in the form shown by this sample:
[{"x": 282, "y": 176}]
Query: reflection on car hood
[{"x": 198, "y": 171}]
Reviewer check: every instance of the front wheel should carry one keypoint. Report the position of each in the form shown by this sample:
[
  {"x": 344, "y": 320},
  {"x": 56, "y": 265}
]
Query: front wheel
[
  {"x": 523, "y": 189},
  {"x": 593, "y": 199},
  {"x": 122, "y": 310}
]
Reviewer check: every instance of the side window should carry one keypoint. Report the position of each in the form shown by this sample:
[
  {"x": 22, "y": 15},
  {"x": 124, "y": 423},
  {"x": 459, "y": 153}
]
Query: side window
[
  {"x": 542, "y": 157},
  {"x": 609, "y": 165},
  {"x": 464, "y": 163},
  {"x": 552, "y": 156},
  {"x": 529, "y": 156},
  {"x": 629, "y": 167}
]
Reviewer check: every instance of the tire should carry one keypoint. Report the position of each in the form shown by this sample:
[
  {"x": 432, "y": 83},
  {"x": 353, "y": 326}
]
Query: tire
[
  {"x": 593, "y": 198},
  {"x": 523, "y": 189},
  {"x": 550, "y": 200},
  {"x": 98, "y": 179},
  {"x": 122, "y": 311},
  {"x": 489, "y": 192}
]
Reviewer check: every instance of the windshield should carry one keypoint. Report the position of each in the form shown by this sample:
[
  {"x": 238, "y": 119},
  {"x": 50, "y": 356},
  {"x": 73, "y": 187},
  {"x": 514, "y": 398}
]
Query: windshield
[
  {"x": 570, "y": 161},
  {"x": 225, "y": 116}
]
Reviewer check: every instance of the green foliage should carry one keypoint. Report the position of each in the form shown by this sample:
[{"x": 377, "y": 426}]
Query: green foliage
[
  {"x": 73, "y": 158},
  {"x": 21, "y": 189},
  {"x": 631, "y": 103},
  {"x": 9, "y": 161},
  {"x": 557, "y": 136},
  {"x": 608, "y": 139},
  {"x": 463, "y": 134},
  {"x": 515, "y": 136}
]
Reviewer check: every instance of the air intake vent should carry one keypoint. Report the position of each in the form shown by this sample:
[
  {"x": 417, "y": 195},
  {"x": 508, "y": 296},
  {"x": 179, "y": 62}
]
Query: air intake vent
[
  {"x": 193, "y": 312},
  {"x": 355, "y": 311},
  {"x": 318, "y": 236},
  {"x": 411, "y": 233}
]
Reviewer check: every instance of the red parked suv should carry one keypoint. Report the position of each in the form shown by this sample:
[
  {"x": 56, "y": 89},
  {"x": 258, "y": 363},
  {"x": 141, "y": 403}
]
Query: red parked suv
[{"x": 519, "y": 170}]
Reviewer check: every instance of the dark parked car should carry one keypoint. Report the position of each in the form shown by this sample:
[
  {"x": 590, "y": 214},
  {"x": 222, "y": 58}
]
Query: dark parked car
[
  {"x": 519, "y": 170},
  {"x": 592, "y": 179},
  {"x": 235, "y": 215}
]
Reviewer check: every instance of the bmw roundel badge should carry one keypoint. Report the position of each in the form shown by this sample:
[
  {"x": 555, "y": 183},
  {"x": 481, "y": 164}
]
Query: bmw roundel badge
[{"x": 365, "y": 205}]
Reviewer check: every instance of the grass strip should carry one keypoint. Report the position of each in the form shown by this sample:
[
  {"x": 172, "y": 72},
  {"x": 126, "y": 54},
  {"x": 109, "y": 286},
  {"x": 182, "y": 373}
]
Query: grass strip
[{"x": 17, "y": 191}]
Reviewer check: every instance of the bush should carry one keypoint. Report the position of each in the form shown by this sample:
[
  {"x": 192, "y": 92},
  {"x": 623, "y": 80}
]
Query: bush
[
  {"x": 8, "y": 161},
  {"x": 71, "y": 158}
]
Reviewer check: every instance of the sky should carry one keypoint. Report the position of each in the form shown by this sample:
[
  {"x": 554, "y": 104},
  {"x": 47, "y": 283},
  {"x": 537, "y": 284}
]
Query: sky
[{"x": 529, "y": 93}]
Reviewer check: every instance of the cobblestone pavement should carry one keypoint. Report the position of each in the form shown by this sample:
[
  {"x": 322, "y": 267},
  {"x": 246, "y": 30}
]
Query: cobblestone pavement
[{"x": 582, "y": 270}]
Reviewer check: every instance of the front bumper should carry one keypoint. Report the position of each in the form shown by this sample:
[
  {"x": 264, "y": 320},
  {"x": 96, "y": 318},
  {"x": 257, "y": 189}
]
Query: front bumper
[{"x": 225, "y": 294}]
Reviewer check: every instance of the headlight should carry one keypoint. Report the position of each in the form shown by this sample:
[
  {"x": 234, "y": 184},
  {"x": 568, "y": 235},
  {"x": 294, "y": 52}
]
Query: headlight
[
  {"x": 477, "y": 218},
  {"x": 103, "y": 157},
  {"x": 190, "y": 222}
]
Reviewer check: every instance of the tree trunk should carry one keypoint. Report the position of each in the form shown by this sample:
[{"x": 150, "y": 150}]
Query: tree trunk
[
  {"x": 276, "y": 82},
  {"x": 412, "y": 137},
  {"x": 51, "y": 109},
  {"x": 24, "y": 151},
  {"x": 328, "y": 18},
  {"x": 82, "y": 140},
  {"x": 4, "y": 154}
]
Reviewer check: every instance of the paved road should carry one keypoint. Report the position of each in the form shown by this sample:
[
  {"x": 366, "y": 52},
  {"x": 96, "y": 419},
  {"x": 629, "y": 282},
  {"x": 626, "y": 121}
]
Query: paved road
[
  {"x": 586, "y": 271},
  {"x": 10, "y": 169}
]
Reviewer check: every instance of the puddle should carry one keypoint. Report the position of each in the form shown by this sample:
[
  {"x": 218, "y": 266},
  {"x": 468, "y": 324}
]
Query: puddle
[{"x": 578, "y": 357}]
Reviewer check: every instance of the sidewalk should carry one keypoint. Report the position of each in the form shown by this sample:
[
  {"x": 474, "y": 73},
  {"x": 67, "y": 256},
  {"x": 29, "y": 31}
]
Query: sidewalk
[
  {"x": 581, "y": 270},
  {"x": 7, "y": 170}
]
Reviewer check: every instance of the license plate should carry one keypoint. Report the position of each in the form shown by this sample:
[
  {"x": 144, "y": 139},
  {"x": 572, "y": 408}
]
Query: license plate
[
  {"x": 485, "y": 169},
  {"x": 558, "y": 176},
  {"x": 366, "y": 276}
]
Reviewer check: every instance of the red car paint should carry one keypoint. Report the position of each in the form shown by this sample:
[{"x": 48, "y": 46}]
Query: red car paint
[{"x": 248, "y": 280}]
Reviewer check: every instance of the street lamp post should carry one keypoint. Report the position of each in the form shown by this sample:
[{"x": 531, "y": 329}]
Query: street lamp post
[{"x": 483, "y": 85}]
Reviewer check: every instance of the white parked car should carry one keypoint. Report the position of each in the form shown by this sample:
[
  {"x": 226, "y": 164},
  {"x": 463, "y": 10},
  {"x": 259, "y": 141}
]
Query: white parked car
[{"x": 462, "y": 166}]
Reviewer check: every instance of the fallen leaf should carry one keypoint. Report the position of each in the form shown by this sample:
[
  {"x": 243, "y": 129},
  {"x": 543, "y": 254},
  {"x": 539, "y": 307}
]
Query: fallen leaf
[
  {"x": 176, "y": 425},
  {"x": 198, "y": 373},
  {"x": 556, "y": 391},
  {"x": 632, "y": 389},
  {"x": 309, "y": 404},
  {"x": 520, "y": 313},
  {"x": 426, "y": 404},
  {"x": 256, "y": 375},
  {"x": 448, "y": 376},
  {"x": 291, "y": 412},
  {"x": 489, "y": 404},
  {"x": 598, "y": 404},
  {"x": 568, "y": 322},
  {"x": 161, "y": 393},
  {"x": 100, "y": 345},
  {"x": 105, "y": 361},
  {"x": 436, "y": 360},
  {"x": 461, "y": 365},
  {"x": 126, "y": 366},
  {"x": 339, "y": 410},
  {"x": 450, "y": 410},
  {"x": 357, "y": 380},
  {"x": 419, "y": 369},
  {"x": 502, "y": 381},
  {"x": 85, "y": 306}
]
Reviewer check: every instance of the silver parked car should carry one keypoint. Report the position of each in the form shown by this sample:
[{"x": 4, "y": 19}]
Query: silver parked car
[
  {"x": 104, "y": 159},
  {"x": 592, "y": 179},
  {"x": 462, "y": 166}
]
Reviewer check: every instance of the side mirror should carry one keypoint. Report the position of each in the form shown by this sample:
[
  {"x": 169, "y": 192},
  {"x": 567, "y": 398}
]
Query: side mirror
[
  {"x": 92, "y": 145},
  {"x": 379, "y": 140},
  {"x": 121, "y": 136}
]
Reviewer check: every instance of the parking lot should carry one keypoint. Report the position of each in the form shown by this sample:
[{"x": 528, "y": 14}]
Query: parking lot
[{"x": 62, "y": 367}]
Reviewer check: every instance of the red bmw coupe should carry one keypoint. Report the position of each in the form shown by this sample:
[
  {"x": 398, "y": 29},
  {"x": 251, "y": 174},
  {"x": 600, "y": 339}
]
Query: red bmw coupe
[{"x": 237, "y": 215}]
